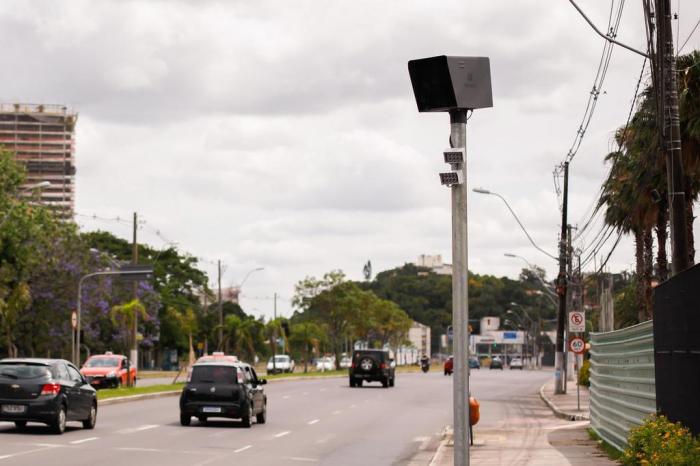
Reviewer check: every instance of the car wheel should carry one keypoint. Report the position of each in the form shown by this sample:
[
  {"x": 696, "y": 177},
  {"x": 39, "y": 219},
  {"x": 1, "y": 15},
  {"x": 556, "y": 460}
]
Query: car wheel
[
  {"x": 358, "y": 383},
  {"x": 58, "y": 426},
  {"x": 20, "y": 424},
  {"x": 352, "y": 383},
  {"x": 185, "y": 419},
  {"x": 118, "y": 383},
  {"x": 247, "y": 419},
  {"x": 385, "y": 382},
  {"x": 90, "y": 422},
  {"x": 392, "y": 381},
  {"x": 261, "y": 417}
]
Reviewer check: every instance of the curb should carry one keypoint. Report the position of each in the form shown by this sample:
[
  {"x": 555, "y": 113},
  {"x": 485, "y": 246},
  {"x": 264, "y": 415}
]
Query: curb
[
  {"x": 149, "y": 396},
  {"x": 143, "y": 396},
  {"x": 446, "y": 437},
  {"x": 558, "y": 412}
]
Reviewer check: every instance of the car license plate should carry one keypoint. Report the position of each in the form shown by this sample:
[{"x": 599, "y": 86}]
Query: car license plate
[
  {"x": 211, "y": 409},
  {"x": 13, "y": 409}
]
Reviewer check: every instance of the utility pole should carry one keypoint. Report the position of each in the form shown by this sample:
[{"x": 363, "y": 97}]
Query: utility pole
[
  {"x": 559, "y": 375},
  {"x": 220, "y": 310},
  {"x": 133, "y": 360},
  {"x": 671, "y": 136},
  {"x": 274, "y": 335}
]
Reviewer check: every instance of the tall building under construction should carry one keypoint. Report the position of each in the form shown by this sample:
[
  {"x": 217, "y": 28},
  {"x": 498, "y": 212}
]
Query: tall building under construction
[{"x": 42, "y": 138}]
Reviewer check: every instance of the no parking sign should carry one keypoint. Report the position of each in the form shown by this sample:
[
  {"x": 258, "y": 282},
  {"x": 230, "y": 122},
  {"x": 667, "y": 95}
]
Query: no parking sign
[{"x": 577, "y": 322}]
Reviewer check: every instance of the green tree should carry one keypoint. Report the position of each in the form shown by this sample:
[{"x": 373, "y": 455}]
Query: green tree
[
  {"x": 306, "y": 336},
  {"x": 124, "y": 317}
]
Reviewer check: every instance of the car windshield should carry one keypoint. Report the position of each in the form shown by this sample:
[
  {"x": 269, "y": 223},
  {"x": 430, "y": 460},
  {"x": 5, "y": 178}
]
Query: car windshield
[
  {"x": 281, "y": 359},
  {"x": 214, "y": 374},
  {"x": 23, "y": 371},
  {"x": 102, "y": 362}
]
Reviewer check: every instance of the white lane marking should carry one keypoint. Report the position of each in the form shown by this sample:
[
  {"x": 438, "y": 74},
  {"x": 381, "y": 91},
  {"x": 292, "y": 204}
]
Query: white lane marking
[
  {"x": 301, "y": 458},
  {"x": 305, "y": 393},
  {"x": 77, "y": 442},
  {"x": 336, "y": 412},
  {"x": 421, "y": 439},
  {"x": 323, "y": 389},
  {"x": 282, "y": 434},
  {"x": 313, "y": 422},
  {"x": 131, "y": 430},
  {"x": 353, "y": 406},
  {"x": 243, "y": 448},
  {"x": 21, "y": 453},
  {"x": 285, "y": 397}
]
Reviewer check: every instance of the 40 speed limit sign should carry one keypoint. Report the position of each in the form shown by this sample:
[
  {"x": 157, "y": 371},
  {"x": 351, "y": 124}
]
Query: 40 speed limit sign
[{"x": 577, "y": 345}]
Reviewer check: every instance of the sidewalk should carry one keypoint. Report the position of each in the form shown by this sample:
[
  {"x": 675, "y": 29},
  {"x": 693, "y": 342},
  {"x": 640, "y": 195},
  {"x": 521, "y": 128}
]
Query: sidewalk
[
  {"x": 535, "y": 433},
  {"x": 565, "y": 406}
]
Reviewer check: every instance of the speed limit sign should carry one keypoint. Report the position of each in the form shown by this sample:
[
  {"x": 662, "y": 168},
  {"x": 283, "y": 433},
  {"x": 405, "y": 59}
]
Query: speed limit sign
[{"x": 577, "y": 345}]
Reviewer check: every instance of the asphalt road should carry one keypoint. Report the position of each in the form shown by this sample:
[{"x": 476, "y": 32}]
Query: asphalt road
[{"x": 309, "y": 421}]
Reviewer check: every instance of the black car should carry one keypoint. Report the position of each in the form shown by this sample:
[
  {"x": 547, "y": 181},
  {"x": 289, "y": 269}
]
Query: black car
[
  {"x": 223, "y": 389},
  {"x": 50, "y": 391},
  {"x": 372, "y": 366},
  {"x": 496, "y": 364}
]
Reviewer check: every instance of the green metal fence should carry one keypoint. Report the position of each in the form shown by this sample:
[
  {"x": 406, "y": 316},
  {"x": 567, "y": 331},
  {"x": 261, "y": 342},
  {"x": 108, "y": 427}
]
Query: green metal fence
[{"x": 623, "y": 390}]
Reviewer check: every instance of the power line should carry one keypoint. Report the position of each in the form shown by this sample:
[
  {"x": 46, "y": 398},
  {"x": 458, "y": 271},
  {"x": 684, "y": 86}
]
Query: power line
[{"x": 688, "y": 38}]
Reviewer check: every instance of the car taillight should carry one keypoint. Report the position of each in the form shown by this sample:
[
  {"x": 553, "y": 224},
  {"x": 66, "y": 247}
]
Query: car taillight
[
  {"x": 382, "y": 366},
  {"x": 51, "y": 389},
  {"x": 352, "y": 365}
]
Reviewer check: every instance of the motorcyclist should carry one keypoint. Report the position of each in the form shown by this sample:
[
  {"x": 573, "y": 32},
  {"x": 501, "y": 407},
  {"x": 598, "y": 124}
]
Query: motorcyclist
[{"x": 424, "y": 362}]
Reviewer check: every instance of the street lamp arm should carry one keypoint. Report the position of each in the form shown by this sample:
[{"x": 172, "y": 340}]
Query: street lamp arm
[
  {"x": 248, "y": 275},
  {"x": 522, "y": 227},
  {"x": 605, "y": 36}
]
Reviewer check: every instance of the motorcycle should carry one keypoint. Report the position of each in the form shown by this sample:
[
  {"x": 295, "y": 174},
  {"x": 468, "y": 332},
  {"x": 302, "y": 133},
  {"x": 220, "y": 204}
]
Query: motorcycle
[{"x": 425, "y": 365}]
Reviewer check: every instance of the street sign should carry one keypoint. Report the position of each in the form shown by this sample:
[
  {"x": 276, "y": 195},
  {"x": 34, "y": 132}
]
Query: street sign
[
  {"x": 577, "y": 322},
  {"x": 74, "y": 319},
  {"x": 137, "y": 272},
  {"x": 577, "y": 345}
]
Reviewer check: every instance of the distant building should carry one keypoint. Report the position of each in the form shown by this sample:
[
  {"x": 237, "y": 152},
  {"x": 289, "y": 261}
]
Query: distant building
[
  {"x": 434, "y": 263},
  {"x": 42, "y": 138},
  {"x": 228, "y": 294},
  {"x": 419, "y": 336}
]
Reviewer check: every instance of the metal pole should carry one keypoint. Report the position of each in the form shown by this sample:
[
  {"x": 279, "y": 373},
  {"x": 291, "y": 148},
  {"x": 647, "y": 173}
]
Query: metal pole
[
  {"x": 133, "y": 360},
  {"x": 460, "y": 309},
  {"x": 561, "y": 291},
  {"x": 220, "y": 310},
  {"x": 76, "y": 342},
  {"x": 274, "y": 336}
]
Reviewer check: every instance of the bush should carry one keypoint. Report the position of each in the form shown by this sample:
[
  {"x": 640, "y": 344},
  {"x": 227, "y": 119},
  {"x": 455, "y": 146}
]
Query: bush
[
  {"x": 584, "y": 373},
  {"x": 661, "y": 442}
]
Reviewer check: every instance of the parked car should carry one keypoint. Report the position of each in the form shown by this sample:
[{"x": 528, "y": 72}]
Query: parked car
[
  {"x": 345, "y": 362},
  {"x": 474, "y": 363},
  {"x": 448, "y": 367},
  {"x": 220, "y": 388},
  {"x": 50, "y": 391},
  {"x": 325, "y": 364},
  {"x": 282, "y": 363},
  {"x": 516, "y": 363},
  {"x": 496, "y": 363},
  {"x": 108, "y": 370},
  {"x": 372, "y": 366}
]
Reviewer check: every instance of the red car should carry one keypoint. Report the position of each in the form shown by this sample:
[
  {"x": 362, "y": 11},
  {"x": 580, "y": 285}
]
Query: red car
[
  {"x": 108, "y": 370},
  {"x": 449, "y": 364}
]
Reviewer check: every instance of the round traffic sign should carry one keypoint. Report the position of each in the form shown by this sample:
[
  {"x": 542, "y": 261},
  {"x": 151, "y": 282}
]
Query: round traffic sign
[
  {"x": 577, "y": 345},
  {"x": 74, "y": 319},
  {"x": 576, "y": 318}
]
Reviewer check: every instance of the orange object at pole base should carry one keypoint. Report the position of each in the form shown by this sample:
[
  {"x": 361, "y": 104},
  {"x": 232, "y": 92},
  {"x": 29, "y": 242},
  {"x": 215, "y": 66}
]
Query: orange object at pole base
[{"x": 473, "y": 411}]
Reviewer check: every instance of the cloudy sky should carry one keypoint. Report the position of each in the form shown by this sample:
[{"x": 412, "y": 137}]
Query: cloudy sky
[{"x": 284, "y": 134}]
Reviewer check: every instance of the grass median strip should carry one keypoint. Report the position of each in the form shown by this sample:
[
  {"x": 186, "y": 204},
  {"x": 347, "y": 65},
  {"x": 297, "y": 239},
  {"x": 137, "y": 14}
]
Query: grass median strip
[{"x": 118, "y": 392}]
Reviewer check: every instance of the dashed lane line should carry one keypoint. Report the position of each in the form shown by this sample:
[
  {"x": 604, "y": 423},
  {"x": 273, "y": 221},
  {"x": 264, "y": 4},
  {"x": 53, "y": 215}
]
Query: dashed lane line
[
  {"x": 312, "y": 422},
  {"x": 282, "y": 434},
  {"x": 22, "y": 453},
  {"x": 337, "y": 412},
  {"x": 78, "y": 442},
  {"x": 132, "y": 430},
  {"x": 243, "y": 448}
]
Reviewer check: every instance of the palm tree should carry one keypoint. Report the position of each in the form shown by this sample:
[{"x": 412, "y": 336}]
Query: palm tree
[{"x": 306, "y": 335}]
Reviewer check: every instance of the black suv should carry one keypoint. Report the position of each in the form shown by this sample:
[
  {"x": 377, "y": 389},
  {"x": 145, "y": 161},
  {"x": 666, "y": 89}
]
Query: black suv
[
  {"x": 223, "y": 389},
  {"x": 372, "y": 366},
  {"x": 50, "y": 391}
]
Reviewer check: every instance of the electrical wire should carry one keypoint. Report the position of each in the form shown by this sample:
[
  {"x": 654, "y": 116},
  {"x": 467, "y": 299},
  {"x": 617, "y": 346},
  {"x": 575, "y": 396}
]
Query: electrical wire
[{"x": 688, "y": 38}]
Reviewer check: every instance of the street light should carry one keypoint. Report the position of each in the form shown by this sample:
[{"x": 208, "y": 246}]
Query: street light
[
  {"x": 40, "y": 185},
  {"x": 486, "y": 191},
  {"x": 248, "y": 275}
]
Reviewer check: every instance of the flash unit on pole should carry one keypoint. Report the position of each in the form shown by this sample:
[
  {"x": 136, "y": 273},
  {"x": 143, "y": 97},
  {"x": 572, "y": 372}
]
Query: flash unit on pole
[
  {"x": 451, "y": 178},
  {"x": 454, "y": 156}
]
